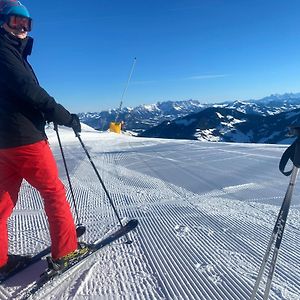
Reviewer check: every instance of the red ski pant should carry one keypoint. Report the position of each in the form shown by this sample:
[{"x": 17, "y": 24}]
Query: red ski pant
[{"x": 35, "y": 163}]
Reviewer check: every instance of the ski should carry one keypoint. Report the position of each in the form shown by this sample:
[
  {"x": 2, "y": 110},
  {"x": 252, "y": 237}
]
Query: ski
[
  {"x": 26, "y": 263},
  {"x": 50, "y": 274},
  {"x": 30, "y": 260}
]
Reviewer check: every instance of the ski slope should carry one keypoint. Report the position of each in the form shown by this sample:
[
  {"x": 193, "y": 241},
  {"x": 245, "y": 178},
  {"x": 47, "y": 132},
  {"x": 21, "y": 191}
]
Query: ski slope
[{"x": 206, "y": 213}]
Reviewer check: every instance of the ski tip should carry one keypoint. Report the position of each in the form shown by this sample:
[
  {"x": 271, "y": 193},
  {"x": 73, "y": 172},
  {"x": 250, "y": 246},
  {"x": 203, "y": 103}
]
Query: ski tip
[{"x": 133, "y": 223}]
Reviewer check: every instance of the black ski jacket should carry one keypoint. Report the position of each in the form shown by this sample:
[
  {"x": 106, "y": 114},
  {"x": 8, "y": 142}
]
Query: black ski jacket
[{"x": 24, "y": 105}]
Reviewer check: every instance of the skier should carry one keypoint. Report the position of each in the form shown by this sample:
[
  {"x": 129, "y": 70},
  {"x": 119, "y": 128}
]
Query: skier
[{"x": 24, "y": 151}]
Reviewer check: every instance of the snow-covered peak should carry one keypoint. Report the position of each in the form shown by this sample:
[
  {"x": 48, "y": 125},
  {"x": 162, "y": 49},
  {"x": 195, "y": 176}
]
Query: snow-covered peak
[{"x": 143, "y": 117}]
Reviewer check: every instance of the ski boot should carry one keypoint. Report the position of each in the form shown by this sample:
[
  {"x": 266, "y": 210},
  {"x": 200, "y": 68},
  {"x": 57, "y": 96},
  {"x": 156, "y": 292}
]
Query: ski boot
[
  {"x": 58, "y": 265},
  {"x": 14, "y": 262}
]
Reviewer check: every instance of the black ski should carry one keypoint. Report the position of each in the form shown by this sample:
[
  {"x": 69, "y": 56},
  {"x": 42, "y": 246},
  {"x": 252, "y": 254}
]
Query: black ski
[
  {"x": 33, "y": 259},
  {"x": 26, "y": 263},
  {"x": 49, "y": 275}
]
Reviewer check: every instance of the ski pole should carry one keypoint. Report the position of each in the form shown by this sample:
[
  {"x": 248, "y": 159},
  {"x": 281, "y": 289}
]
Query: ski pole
[
  {"x": 276, "y": 234},
  {"x": 293, "y": 153},
  {"x": 102, "y": 183},
  {"x": 80, "y": 229},
  {"x": 281, "y": 226}
]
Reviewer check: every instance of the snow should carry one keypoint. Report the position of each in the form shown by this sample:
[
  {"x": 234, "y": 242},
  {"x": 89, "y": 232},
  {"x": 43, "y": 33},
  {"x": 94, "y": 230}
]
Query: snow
[
  {"x": 235, "y": 121},
  {"x": 220, "y": 116},
  {"x": 206, "y": 213},
  {"x": 238, "y": 135},
  {"x": 151, "y": 107},
  {"x": 206, "y": 134}
]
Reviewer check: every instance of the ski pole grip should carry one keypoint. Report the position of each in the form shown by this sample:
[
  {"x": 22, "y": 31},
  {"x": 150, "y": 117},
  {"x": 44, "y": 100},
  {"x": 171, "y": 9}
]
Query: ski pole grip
[
  {"x": 296, "y": 160},
  {"x": 76, "y": 133},
  {"x": 286, "y": 156}
]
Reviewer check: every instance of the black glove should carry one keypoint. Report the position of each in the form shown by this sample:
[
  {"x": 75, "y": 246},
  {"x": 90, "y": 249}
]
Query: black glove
[{"x": 75, "y": 123}]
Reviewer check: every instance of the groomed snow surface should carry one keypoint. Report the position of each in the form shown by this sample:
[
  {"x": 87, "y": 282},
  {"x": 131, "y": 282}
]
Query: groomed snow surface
[{"x": 206, "y": 213}]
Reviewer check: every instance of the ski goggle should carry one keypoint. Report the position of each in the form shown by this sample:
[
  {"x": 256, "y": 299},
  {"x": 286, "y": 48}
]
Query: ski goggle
[{"x": 19, "y": 23}]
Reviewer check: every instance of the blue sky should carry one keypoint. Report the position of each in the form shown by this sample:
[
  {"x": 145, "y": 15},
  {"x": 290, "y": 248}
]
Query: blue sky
[{"x": 212, "y": 50}]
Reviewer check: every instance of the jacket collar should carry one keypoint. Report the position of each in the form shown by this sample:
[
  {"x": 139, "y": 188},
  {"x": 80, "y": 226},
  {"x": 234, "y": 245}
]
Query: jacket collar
[{"x": 23, "y": 46}]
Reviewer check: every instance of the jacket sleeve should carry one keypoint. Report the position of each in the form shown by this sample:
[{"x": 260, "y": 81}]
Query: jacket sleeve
[{"x": 21, "y": 83}]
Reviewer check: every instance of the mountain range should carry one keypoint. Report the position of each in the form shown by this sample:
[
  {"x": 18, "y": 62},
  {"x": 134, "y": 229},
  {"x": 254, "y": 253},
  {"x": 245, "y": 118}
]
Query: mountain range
[
  {"x": 228, "y": 125},
  {"x": 258, "y": 121},
  {"x": 142, "y": 117}
]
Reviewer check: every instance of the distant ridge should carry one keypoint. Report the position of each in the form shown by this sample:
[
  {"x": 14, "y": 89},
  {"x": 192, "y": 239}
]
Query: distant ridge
[
  {"x": 259, "y": 121},
  {"x": 228, "y": 125}
]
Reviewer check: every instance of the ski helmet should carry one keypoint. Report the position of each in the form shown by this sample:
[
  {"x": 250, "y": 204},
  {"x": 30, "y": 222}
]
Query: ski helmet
[{"x": 12, "y": 7}]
